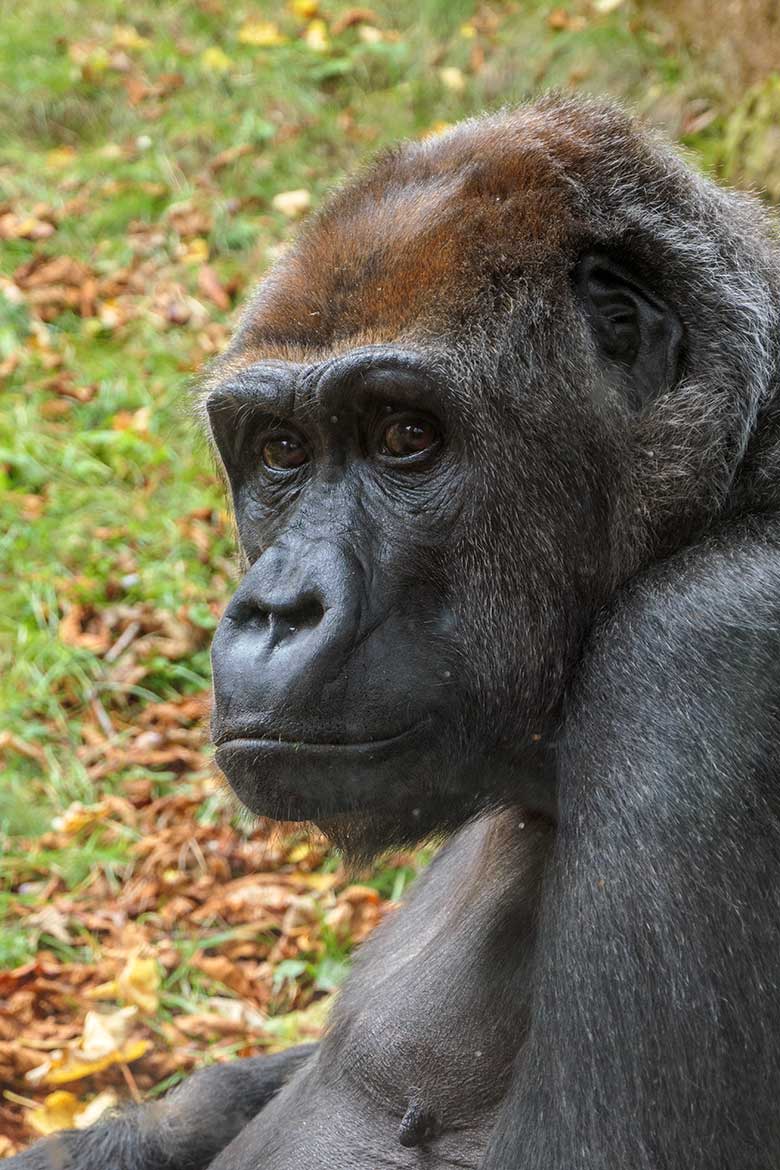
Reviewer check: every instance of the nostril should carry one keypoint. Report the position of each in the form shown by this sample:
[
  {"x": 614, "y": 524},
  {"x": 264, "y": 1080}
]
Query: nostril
[
  {"x": 305, "y": 615},
  {"x": 249, "y": 615},
  {"x": 280, "y": 618}
]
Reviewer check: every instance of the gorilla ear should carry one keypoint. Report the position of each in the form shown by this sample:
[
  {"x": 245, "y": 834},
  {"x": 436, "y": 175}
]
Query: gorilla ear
[{"x": 634, "y": 328}]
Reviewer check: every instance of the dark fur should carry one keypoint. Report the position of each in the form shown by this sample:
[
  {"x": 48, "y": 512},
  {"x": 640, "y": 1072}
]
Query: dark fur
[{"x": 602, "y": 993}]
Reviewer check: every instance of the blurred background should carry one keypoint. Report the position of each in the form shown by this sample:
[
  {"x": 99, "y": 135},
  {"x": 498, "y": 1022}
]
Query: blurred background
[{"x": 154, "y": 160}]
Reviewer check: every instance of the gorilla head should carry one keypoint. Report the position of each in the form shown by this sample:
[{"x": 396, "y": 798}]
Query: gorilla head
[{"x": 457, "y": 415}]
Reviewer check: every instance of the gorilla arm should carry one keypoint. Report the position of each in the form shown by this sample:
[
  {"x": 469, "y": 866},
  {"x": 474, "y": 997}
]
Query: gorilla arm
[
  {"x": 654, "y": 1030},
  {"x": 183, "y": 1131}
]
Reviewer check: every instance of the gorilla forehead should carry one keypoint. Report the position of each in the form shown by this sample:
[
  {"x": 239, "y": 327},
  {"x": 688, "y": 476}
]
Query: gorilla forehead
[{"x": 411, "y": 243}]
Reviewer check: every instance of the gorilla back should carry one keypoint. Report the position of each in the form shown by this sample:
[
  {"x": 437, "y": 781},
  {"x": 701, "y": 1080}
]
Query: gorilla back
[{"x": 501, "y": 434}]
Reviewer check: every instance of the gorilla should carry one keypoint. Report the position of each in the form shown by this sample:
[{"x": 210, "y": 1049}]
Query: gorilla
[{"x": 502, "y": 436}]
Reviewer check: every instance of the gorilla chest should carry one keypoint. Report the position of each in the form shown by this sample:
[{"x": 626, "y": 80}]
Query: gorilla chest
[
  {"x": 435, "y": 1053},
  {"x": 414, "y": 1081},
  {"x": 421, "y": 1043}
]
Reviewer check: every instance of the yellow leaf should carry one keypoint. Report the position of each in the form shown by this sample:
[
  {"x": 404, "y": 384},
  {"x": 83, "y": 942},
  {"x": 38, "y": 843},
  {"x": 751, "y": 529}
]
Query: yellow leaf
[
  {"x": 319, "y": 881},
  {"x": 58, "y": 1111},
  {"x": 108, "y": 990},
  {"x": 61, "y": 156},
  {"x": 370, "y": 35},
  {"x": 197, "y": 251},
  {"x": 438, "y": 127},
  {"x": 215, "y": 60},
  {"x": 468, "y": 31},
  {"x": 453, "y": 79},
  {"x": 261, "y": 33},
  {"x": 94, "y": 1109},
  {"x": 139, "y": 984},
  {"x": 103, "y": 1043},
  {"x": 297, "y": 1026},
  {"x": 77, "y": 816},
  {"x": 72, "y": 1068},
  {"x": 316, "y": 36},
  {"x": 298, "y": 852},
  {"x": 304, "y": 9},
  {"x": 108, "y": 314},
  {"x": 63, "y": 1110},
  {"x": 104, "y": 1033},
  {"x": 125, "y": 36}
]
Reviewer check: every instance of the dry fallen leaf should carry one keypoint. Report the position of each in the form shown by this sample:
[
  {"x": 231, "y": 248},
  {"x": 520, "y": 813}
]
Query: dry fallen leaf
[
  {"x": 210, "y": 286},
  {"x": 138, "y": 984},
  {"x": 261, "y": 33},
  {"x": 63, "y": 1110},
  {"x": 49, "y": 920},
  {"x": 104, "y": 1035},
  {"x": 560, "y": 20},
  {"x": 24, "y": 227},
  {"x": 292, "y": 203},
  {"x": 77, "y": 816},
  {"x": 33, "y": 751},
  {"x": 351, "y": 17},
  {"x": 103, "y": 1043}
]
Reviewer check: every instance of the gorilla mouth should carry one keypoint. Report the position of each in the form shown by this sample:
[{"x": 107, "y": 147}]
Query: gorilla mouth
[
  {"x": 306, "y": 779},
  {"x": 327, "y": 742}
]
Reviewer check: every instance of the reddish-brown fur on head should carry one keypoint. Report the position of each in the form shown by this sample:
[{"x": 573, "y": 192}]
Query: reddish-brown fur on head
[
  {"x": 410, "y": 248},
  {"x": 407, "y": 246}
]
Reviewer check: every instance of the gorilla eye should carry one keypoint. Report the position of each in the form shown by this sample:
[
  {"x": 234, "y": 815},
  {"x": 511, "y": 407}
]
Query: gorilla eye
[
  {"x": 405, "y": 437},
  {"x": 284, "y": 452}
]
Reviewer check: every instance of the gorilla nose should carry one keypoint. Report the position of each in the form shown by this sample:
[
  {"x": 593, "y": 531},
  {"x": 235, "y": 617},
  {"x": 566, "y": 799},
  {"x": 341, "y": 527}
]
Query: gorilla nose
[
  {"x": 285, "y": 596},
  {"x": 287, "y": 632}
]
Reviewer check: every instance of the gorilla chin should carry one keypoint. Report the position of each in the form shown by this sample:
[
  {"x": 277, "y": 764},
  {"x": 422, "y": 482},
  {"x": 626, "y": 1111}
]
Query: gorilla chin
[
  {"x": 369, "y": 796},
  {"x": 387, "y": 782}
]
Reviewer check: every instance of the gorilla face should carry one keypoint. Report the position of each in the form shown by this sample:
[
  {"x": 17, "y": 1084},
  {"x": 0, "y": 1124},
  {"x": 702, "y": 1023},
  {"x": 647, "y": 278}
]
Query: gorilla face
[{"x": 339, "y": 665}]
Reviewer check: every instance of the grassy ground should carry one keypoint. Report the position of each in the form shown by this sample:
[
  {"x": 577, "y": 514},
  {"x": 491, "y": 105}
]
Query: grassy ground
[{"x": 142, "y": 151}]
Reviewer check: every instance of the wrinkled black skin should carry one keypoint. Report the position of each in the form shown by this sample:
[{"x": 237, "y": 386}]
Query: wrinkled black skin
[{"x": 571, "y": 609}]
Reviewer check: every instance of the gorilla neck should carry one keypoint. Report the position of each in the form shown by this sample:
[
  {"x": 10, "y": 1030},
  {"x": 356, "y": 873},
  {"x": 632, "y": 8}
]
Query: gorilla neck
[{"x": 510, "y": 778}]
